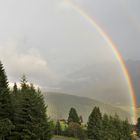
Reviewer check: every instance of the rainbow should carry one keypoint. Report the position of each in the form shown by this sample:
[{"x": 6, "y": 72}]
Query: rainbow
[{"x": 117, "y": 55}]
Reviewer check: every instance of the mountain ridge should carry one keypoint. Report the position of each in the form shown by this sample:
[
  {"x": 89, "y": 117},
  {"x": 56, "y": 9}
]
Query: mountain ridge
[{"x": 59, "y": 105}]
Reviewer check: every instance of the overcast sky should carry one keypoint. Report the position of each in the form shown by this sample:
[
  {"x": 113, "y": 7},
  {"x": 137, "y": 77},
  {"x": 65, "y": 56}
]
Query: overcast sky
[{"x": 47, "y": 40}]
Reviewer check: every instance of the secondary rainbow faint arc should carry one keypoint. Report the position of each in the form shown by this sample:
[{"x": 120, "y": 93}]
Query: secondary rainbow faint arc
[{"x": 116, "y": 53}]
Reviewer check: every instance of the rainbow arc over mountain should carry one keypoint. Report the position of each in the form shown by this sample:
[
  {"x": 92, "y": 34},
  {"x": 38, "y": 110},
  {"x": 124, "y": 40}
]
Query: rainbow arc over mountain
[{"x": 116, "y": 53}]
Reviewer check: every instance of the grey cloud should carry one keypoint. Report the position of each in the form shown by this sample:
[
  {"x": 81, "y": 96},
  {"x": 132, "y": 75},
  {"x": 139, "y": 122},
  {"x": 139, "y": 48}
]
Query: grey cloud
[
  {"x": 48, "y": 40},
  {"x": 17, "y": 63}
]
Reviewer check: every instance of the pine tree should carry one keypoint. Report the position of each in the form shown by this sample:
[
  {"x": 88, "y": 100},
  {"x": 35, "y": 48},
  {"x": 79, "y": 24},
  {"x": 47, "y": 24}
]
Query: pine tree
[
  {"x": 6, "y": 128},
  {"x": 94, "y": 128},
  {"x": 15, "y": 89},
  {"x": 58, "y": 130},
  {"x": 138, "y": 127},
  {"x": 106, "y": 128},
  {"x": 116, "y": 127},
  {"x": 23, "y": 82},
  {"x": 73, "y": 116},
  {"x": 126, "y": 130},
  {"x": 5, "y": 105},
  {"x": 5, "y": 102},
  {"x": 30, "y": 117},
  {"x": 119, "y": 129}
]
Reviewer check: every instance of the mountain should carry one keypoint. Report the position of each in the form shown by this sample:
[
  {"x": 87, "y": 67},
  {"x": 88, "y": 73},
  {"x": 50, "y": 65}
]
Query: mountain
[
  {"x": 59, "y": 105},
  {"x": 134, "y": 70},
  {"x": 101, "y": 81}
]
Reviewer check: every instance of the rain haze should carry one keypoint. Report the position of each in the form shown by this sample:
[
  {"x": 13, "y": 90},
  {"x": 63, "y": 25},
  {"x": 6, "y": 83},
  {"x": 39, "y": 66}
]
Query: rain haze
[{"x": 60, "y": 51}]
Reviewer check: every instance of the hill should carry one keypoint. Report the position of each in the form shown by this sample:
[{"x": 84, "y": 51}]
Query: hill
[
  {"x": 134, "y": 70},
  {"x": 59, "y": 105},
  {"x": 104, "y": 82}
]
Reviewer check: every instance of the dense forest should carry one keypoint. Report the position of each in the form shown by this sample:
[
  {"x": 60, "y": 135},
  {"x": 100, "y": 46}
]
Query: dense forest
[{"x": 23, "y": 116}]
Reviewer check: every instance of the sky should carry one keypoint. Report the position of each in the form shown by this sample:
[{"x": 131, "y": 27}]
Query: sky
[{"x": 49, "y": 42}]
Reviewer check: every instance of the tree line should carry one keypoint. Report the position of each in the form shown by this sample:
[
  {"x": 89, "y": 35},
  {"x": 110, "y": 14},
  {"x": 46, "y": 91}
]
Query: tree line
[
  {"x": 23, "y": 117},
  {"x": 98, "y": 127}
]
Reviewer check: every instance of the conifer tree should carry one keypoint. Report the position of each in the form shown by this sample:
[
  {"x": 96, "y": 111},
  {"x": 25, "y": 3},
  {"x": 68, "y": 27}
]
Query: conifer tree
[
  {"x": 106, "y": 127},
  {"x": 73, "y": 116},
  {"x": 30, "y": 117},
  {"x": 94, "y": 128},
  {"x": 5, "y": 101},
  {"x": 126, "y": 130},
  {"x": 116, "y": 129},
  {"x": 23, "y": 83},
  {"x": 15, "y": 89},
  {"x": 5, "y": 105},
  {"x": 58, "y": 130},
  {"x": 138, "y": 127}
]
